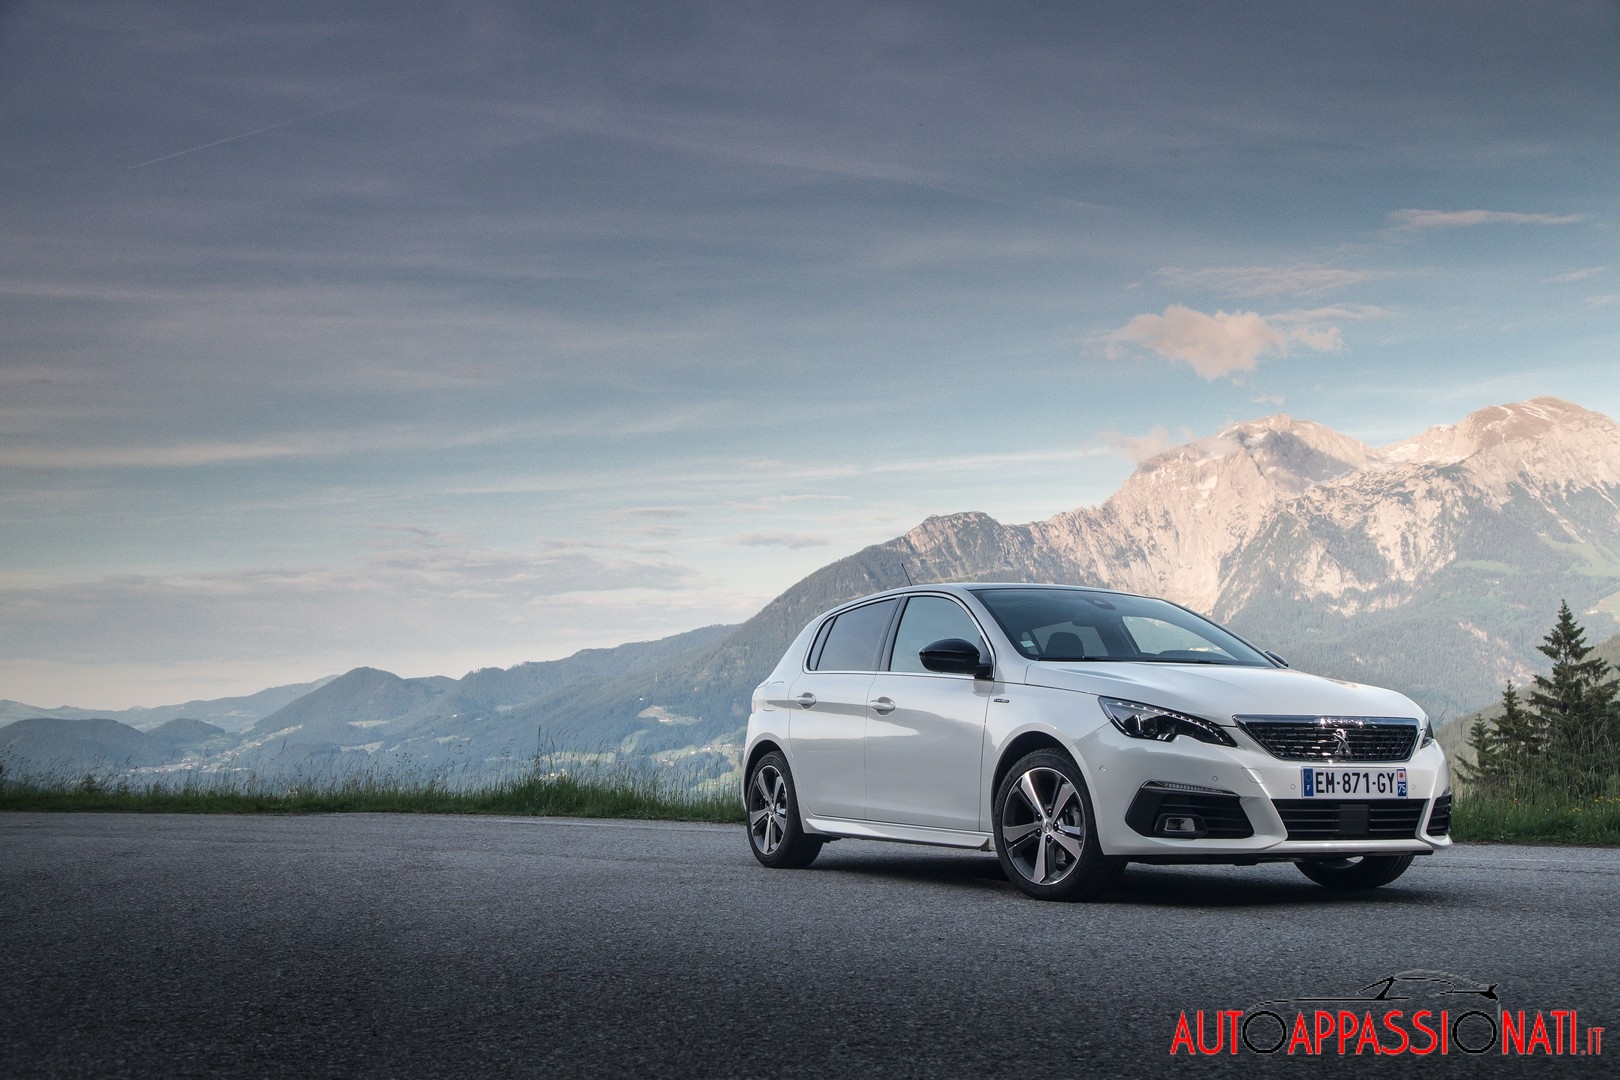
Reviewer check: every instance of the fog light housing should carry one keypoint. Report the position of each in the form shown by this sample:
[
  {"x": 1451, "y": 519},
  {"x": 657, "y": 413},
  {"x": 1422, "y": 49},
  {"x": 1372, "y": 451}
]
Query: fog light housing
[{"x": 1184, "y": 825}]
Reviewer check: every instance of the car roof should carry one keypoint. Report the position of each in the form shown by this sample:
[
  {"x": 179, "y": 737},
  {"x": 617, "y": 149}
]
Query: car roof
[{"x": 960, "y": 588}]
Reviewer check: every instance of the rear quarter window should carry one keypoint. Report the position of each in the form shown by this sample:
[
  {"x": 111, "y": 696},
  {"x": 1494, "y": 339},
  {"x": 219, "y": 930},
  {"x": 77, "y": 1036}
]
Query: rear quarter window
[{"x": 855, "y": 639}]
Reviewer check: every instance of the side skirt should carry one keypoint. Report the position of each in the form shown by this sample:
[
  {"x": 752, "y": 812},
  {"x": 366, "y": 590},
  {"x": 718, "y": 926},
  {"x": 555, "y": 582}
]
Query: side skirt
[{"x": 905, "y": 834}]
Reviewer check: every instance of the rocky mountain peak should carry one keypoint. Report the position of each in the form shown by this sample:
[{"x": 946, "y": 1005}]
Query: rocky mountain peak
[
  {"x": 1545, "y": 440},
  {"x": 1294, "y": 454},
  {"x": 1287, "y": 454}
]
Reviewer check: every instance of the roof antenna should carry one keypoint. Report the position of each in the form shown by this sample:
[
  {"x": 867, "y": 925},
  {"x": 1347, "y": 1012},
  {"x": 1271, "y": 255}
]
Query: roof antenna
[{"x": 905, "y": 571}]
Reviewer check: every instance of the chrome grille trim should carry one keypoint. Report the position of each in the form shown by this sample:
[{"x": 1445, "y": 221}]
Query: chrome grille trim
[{"x": 1317, "y": 738}]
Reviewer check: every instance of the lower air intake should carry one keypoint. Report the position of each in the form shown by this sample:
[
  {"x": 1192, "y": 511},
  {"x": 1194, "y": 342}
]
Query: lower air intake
[{"x": 1378, "y": 819}]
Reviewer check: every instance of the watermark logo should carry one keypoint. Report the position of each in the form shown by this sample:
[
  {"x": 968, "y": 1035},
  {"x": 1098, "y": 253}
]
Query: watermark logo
[{"x": 1410, "y": 1012}]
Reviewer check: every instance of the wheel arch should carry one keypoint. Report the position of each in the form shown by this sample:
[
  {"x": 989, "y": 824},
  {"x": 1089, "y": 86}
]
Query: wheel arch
[
  {"x": 1025, "y": 743},
  {"x": 759, "y": 750}
]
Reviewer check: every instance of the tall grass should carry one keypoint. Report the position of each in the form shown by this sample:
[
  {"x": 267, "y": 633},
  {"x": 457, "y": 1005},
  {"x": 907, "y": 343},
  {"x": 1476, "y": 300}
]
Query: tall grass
[
  {"x": 586, "y": 786},
  {"x": 1573, "y": 804},
  {"x": 1535, "y": 817},
  {"x": 602, "y": 790}
]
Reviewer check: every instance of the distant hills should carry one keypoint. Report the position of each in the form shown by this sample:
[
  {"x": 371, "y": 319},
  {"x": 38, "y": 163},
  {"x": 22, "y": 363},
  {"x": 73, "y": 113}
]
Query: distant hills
[
  {"x": 435, "y": 723},
  {"x": 1433, "y": 565},
  {"x": 232, "y": 713},
  {"x": 99, "y": 744}
]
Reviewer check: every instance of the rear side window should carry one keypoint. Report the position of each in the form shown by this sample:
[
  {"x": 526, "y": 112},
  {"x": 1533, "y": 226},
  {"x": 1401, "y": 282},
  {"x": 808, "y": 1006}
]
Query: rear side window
[{"x": 855, "y": 639}]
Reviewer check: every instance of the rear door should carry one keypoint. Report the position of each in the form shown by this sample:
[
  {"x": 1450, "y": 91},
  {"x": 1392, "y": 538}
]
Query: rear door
[
  {"x": 828, "y": 709},
  {"x": 925, "y": 734}
]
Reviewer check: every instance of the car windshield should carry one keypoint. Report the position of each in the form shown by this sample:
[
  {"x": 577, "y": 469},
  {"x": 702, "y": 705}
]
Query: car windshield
[{"x": 1078, "y": 624}]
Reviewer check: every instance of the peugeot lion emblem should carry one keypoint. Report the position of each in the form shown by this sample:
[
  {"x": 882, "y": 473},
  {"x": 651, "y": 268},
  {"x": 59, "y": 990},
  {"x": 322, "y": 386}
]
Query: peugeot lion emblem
[{"x": 1341, "y": 743}]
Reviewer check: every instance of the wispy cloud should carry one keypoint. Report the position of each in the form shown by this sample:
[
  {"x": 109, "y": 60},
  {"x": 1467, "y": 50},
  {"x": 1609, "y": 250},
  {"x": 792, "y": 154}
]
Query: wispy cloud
[
  {"x": 660, "y": 512},
  {"x": 180, "y": 455},
  {"x": 1140, "y": 448},
  {"x": 1296, "y": 280},
  {"x": 206, "y": 452},
  {"x": 1224, "y": 344},
  {"x": 1578, "y": 275},
  {"x": 777, "y": 539},
  {"x": 423, "y": 586},
  {"x": 787, "y": 504},
  {"x": 1453, "y": 219},
  {"x": 390, "y": 437},
  {"x": 250, "y": 134}
]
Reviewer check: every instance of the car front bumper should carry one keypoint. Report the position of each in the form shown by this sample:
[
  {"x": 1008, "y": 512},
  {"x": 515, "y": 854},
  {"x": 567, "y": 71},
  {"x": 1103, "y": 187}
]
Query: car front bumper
[{"x": 1137, "y": 784}]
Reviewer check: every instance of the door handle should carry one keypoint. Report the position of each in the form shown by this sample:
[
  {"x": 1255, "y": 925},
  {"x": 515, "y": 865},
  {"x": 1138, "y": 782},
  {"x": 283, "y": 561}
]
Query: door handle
[
  {"x": 882, "y": 706},
  {"x": 806, "y": 699}
]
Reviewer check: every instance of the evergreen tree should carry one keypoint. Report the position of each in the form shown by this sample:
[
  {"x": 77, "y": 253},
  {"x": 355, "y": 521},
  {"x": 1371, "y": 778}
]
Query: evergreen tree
[
  {"x": 1507, "y": 751},
  {"x": 1520, "y": 736},
  {"x": 1486, "y": 768},
  {"x": 1575, "y": 704}
]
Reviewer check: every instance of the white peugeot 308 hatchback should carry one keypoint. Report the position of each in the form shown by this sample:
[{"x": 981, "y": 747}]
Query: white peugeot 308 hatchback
[{"x": 1073, "y": 730}]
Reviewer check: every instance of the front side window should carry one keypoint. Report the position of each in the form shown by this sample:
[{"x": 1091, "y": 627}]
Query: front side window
[
  {"x": 855, "y": 639},
  {"x": 1076, "y": 624},
  {"x": 928, "y": 619}
]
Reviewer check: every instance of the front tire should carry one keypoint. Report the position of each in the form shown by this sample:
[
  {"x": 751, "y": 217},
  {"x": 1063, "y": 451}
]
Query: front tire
[
  {"x": 1362, "y": 872},
  {"x": 1046, "y": 836},
  {"x": 775, "y": 834}
]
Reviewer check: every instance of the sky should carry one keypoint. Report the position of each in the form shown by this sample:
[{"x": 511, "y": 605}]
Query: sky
[{"x": 435, "y": 337}]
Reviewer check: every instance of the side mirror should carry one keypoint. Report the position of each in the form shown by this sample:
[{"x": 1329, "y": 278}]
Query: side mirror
[
  {"x": 955, "y": 656},
  {"x": 1280, "y": 661}
]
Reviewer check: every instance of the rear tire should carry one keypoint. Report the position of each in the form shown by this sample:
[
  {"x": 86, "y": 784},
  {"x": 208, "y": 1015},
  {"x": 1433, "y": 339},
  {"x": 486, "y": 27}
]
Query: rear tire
[
  {"x": 1362, "y": 872},
  {"x": 1046, "y": 834},
  {"x": 776, "y": 836}
]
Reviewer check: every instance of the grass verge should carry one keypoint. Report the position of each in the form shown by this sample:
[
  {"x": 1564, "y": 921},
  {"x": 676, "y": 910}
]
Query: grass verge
[
  {"x": 631, "y": 793},
  {"x": 1541, "y": 818},
  {"x": 620, "y": 794}
]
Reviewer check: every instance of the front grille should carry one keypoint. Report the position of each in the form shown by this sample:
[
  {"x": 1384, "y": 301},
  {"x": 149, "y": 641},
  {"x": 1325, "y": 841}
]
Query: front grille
[
  {"x": 1377, "y": 819},
  {"x": 1333, "y": 738},
  {"x": 1219, "y": 816},
  {"x": 1440, "y": 816}
]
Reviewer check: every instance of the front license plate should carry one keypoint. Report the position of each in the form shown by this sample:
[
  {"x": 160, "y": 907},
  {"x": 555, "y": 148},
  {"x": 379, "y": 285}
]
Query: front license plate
[{"x": 1354, "y": 783}]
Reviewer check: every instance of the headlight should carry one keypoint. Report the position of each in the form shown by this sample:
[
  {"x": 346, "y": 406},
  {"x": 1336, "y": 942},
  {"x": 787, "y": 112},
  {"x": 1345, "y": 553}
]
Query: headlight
[
  {"x": 1150, "y": 722},
  {"x": 1426, "y": 732}
]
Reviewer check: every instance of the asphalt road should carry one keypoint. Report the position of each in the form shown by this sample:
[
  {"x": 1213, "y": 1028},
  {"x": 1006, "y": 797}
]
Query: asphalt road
[{"x": 364, "y": 945}]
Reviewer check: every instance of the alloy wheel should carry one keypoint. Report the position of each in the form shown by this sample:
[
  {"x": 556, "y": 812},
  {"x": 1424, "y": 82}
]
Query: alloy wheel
[
  {"x": 1043, "y": 826},
  {"x": 767, "y": 809}
]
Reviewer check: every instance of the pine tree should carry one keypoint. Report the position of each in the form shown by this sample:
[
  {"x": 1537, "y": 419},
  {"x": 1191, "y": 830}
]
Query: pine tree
[
  {"x": 1576, "y": 706},
  {"x": 1508, "y": 751},
  {"x": 1486, "y": 768},
  {"x": 1520, "y": 737}
]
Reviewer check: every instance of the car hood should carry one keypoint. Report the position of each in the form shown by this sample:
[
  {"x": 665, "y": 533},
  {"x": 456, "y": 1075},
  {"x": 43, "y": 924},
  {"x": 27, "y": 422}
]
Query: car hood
[{"x": 1220, "y": 693}]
